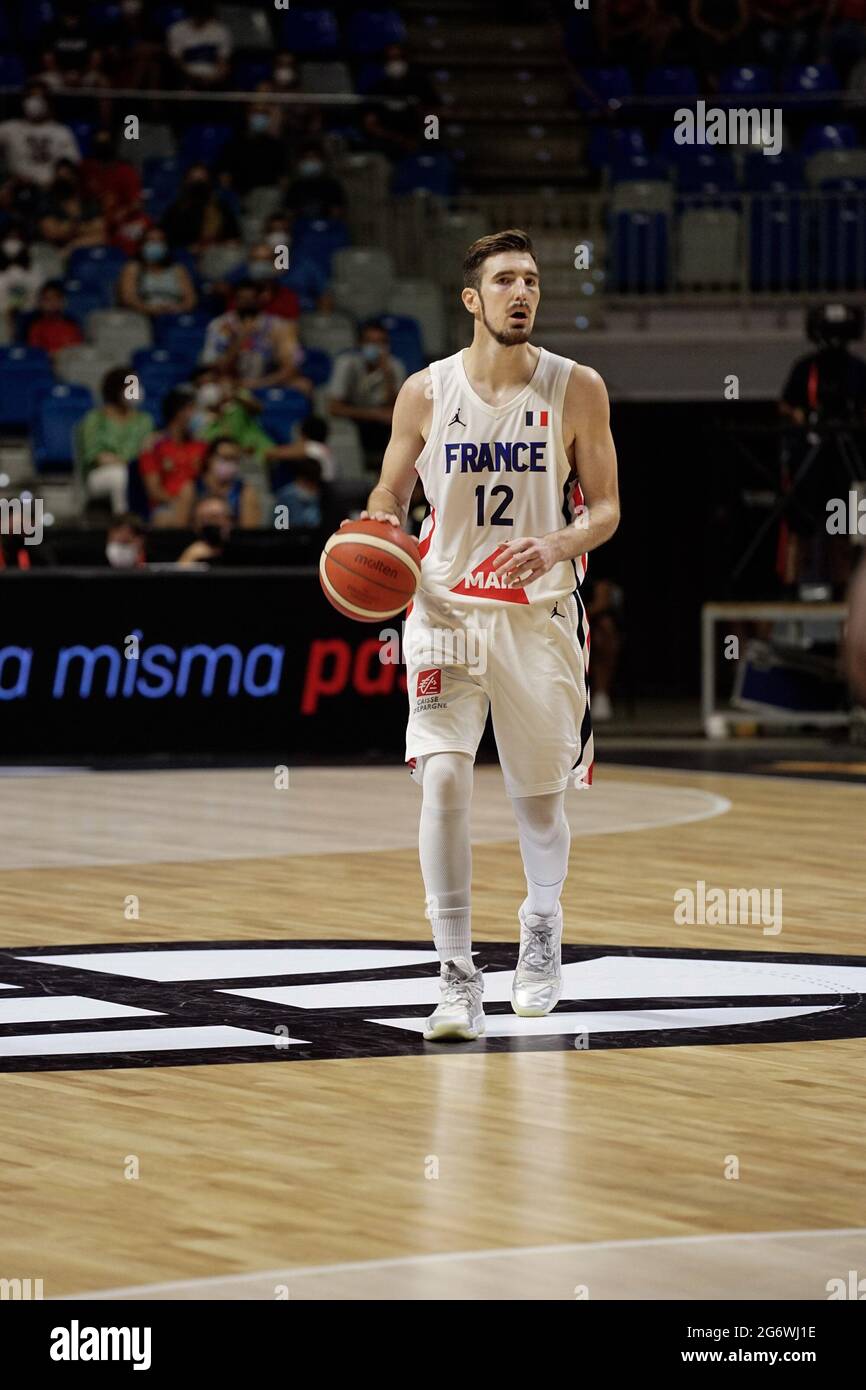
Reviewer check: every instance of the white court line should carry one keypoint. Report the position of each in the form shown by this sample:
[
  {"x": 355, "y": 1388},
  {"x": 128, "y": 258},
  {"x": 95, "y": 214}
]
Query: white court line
[{"x": 442, "y": 1257}]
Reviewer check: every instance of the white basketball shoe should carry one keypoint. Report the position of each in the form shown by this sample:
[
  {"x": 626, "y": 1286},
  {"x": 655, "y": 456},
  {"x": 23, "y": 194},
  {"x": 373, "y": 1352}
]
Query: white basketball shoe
[
  {"x": 459, "y": 1013},
  {"x": 537, "y": 981}
]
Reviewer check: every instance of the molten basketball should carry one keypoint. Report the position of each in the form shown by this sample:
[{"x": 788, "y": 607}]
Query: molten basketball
[{"x": 369, "y": 570}]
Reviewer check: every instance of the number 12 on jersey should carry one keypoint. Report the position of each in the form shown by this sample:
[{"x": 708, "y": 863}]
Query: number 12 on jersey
[{"x": 498, "y": 518}]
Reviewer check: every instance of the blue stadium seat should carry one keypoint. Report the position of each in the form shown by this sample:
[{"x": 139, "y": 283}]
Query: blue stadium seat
[
  {"x": 831, "y": 135},
  {"x": 744, "y": 81},
  {"x": 201, "y": 144},
  {"x": 805, "y": 82},
  {"x": 706, "y": 171},
  {"x": 156, "y": 382},
  {"x": 614, "y": 145},
  {"x": 316, "y": 240},
  {"x": 83, "y": 132},
  {"x": 136, "y": 492},
  {"x": 32, "y": 20},
  {"x": 639, "y": 167},
  {"x": 24, "y": 373},
  {"x": 370, "y": 31},
  {"x": 82, "y": 299},
  {"x": 678, "y": 83},
  {"x": 308, "y": 32},
  {"x": 406, "y": 342},
  {"x": 840, "y": 236},
  {"x": 368, "y": 76},
  {"x": 166, "y": 15},
  {"x": 181, "y": 334},
  {"x": 144, "y": 358},
  {"x": 282, "y": 409},
  {"x": 308, "y": 280},
  {"x": 773, "y": 173},
  {"x": 317, "y": 366},
  {"x": 776, "y": 243},
  {"x": 432, "y": 172},
  {"x": 96, "y": 266},
  {"x": 612, "y": 87},
  {"x": 640, "y": 252},
  {"x": 58, "y": 411},
  {"x": 247, "y": 73},
  {"x": 12, "y": 69}
]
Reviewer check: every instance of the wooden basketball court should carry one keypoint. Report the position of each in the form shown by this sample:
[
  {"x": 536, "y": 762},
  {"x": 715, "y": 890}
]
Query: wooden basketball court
[{"x": 177, "y": 1137}]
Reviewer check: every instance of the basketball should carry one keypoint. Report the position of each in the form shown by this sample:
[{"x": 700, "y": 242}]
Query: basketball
[{"x": 369, "y": 570}]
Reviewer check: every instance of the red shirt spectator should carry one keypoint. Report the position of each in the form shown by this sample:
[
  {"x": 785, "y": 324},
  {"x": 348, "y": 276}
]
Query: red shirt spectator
[
  {"x": 114, "y": 183},
  {"x": 52, "y": 329},
  {"x": 174, "y": 462}
]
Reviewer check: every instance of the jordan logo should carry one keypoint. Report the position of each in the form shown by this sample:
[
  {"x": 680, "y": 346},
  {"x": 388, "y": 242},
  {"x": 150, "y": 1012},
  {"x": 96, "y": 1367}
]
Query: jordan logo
[
  {"x": 555, "y": 613},
  {"x": 455, "y": 420}
]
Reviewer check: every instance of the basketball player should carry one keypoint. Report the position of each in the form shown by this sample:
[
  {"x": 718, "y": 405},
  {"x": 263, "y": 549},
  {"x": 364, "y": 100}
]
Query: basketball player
[{"x": 514, "y": 451}]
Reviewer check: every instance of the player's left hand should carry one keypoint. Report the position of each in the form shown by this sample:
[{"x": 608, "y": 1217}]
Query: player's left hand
[{"x": 526, "y": 560}]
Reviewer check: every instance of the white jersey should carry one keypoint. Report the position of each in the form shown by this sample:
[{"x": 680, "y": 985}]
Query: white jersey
[{"x": 494, "y": 474}]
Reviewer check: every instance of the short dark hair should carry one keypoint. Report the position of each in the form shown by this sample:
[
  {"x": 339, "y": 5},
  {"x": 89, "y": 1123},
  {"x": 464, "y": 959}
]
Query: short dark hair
[
  {"x": 315, "y": 428},
  {"x": 175, "y": 401},
  {"x": 56, "y": 285},
  {"x": 114, "y": 384},
  {"x": 135, "y": 523},
  {"x": 217, "y": 443},
  {"x": 487, "y": 246}
]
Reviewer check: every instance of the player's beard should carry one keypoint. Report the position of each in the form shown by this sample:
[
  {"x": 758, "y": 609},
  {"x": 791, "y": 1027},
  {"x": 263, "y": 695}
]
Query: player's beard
[{"x": 508, "y": 337}]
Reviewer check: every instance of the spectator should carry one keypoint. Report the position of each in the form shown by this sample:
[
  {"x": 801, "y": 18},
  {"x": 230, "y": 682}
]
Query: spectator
[
  {"x": 719, "y": 28},
  {"x": 213, "y": 528},
  {"x": 256, "y": 156},
  {"x": 34, "y": 143},
  {"x": 223, "y": 410},
  {"x": 111, "y": 436},
  {"x": 72, "y": 60},
  {"x": 221, "y": 478},
  {"x": 125, "y": 543},
  {"x": 134, "y": 51},
  {"x": 19, "y": 281},
  {"x": 200, "y": 47},
  {"x": 395, "y": 126},
  {"x": 635, "y": 32},
  {"x": 257, "y": 349},
  {"x": 787, "y": 29},
  {"x": 302, "y": 497},
  {"x": 278, "y": 230},
  {"x": 274, "y": 298},
  {"x": 125, "y": 230},
  {"x": 52, "y": 328},
  {"x": 170, "y": 466},
  {"x": 314, "y": 192},
  {"x": 114, "y": 183},
  {"x": 153, "y": 282},
  {"x": 200, "y": 216},
  {"x": 364, "y": 387},
  {"x": 286, "y": 76},
  {"x": 311, "y": 443},
  {"x": 843, "y": 34},
  {"x": 604, "y": 605},
  {"x": 69, "y": 217}
]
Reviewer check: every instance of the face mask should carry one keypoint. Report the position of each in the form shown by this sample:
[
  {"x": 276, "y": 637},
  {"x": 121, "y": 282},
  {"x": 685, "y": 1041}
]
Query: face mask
[
  {"x": 260, "y": 270},
  {"x": 212, "y": 535},
  {"x": 310, "y": 168},
  {"x": 225, "y": 469},
  {"x": 371, "y": 352},
  {"x": 396, "y": 68},
  {"x": 278, "y": 239},
  {"x": 131, "y": 7},
  {"x": 285, "y": 76},
  {"x": 153, "y": 251},
  {"x": 209, "y": 394},
  {"x": 121, "y": 555},
  {"x": 35, "y": 108},
  {"x": 247, "y": 314},
  {"x": 259, "y": 122},
  {"x": 12, "y": 247}
]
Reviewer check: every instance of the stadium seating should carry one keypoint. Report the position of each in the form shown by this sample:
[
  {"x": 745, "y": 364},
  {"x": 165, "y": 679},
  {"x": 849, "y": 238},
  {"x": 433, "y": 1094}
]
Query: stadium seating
[
  {"x": 25, "y": 373},
  {"x": 58, "y": 409}
]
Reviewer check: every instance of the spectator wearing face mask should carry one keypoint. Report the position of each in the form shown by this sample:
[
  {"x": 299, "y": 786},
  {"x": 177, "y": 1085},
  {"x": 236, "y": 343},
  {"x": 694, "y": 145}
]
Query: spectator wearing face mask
[
  {"x": 69, "y": 217},
  {"x": 286, "y": 76},
  {"x": 364, "y": 387},
  {"x": 225, "y": 411},
  {"x": 274, "y": 298},
  {"x": 73, "y": 58},
  {"x": 170, "y": 466},
  {"x": 256, "y": 156},
  {"x": 125, "y": 544},
  {"x": 34, "y": 143},
  {"x": 255, "y": 348},
  {"x": 311, "y": 443},
  {"x": 200, "y": 216},
  {"x": 114, "y": 183},
  {"x": 52, "y": 328},
  {"x": 213, "y": 527},
  {"x": 153, "y": 282},
  {"x": 315, "y": 192},
  {"x": 110, "y": 437},
  {"x": 395, "y": 126},
  {"x": 302, "y": 497},
  {"x": 200, "y": 47},
  {"x": 19, "y": 282},
  {"x": 221, "y": 478}
]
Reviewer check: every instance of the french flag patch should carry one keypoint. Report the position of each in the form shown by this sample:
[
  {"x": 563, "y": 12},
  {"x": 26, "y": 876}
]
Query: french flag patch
[{"x": 536, "y": 417}]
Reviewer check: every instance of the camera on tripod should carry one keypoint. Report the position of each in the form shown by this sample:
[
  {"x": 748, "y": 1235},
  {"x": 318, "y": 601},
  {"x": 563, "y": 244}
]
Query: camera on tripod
[{"x": 835, "y": 390}]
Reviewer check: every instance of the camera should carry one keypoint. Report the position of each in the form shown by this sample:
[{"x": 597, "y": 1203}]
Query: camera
[{"x": 834, "y": 325}]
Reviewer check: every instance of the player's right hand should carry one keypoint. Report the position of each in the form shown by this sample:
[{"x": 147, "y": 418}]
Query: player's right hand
[{"x": 374, "y": 516}]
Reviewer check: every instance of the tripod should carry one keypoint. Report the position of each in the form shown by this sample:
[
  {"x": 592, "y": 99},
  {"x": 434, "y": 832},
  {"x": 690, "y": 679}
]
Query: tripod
[{"x": 839, "y": 433}]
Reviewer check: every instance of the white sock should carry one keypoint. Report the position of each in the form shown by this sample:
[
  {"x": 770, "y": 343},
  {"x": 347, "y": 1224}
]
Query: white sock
[
  {"x": 545, "y": 840},
  {"x": 445, "y": 851}
]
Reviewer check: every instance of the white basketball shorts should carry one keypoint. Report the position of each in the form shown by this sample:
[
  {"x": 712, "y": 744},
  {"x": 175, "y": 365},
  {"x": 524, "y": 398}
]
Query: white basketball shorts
[{"x": 526, "y": 663}]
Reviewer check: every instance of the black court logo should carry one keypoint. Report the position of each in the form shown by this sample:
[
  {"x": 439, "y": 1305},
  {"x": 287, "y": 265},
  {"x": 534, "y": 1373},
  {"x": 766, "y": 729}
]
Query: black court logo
[{"x": 192, "y": 1003}]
